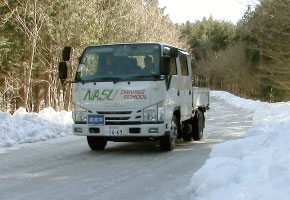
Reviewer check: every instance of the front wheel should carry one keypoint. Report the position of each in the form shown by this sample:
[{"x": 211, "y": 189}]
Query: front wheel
[
  {"x": 197, "y": 125},
  {"x": 96, "y": 143},
  {"x": 168, "y": 142}
]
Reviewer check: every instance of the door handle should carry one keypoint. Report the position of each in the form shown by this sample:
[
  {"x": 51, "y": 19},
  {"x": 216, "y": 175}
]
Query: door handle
[
  {"x": 189, "y": 92},
  {"x": 178, "y": 93}
]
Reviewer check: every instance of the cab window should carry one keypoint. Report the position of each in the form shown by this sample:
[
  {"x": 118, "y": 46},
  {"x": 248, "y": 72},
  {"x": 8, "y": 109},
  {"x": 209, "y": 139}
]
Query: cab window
[
  {"x": 169, "y": 63},
  {"x": 173, "y": 68},
  {"x": 183, "y": 65}
]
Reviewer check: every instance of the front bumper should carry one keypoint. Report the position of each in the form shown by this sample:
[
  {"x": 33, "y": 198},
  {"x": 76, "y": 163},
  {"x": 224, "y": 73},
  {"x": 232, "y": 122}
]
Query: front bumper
[{"x": 128, "y": 131}]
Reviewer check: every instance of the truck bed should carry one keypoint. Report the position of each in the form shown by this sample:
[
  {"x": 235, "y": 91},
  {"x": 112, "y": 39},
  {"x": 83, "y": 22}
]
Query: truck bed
[{"x": 200, "y": 97}]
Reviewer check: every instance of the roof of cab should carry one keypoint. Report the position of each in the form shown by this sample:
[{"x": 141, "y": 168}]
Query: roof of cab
[{"x": 134, "y": 43}]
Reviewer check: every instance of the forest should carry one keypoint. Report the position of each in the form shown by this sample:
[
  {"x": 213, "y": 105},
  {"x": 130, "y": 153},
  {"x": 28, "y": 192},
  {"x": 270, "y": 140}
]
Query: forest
[{"x": 249, "y": 59}]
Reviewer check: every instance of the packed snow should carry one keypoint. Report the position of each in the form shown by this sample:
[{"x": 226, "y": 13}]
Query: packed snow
[
  {"x": 257, "y": 166},
  {"x": 23, "y": 127}
]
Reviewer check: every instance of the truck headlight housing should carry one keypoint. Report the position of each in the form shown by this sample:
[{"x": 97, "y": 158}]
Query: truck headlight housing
[
  {"x": 79, "y": 114},
  {"x": 154, "y": 113}
]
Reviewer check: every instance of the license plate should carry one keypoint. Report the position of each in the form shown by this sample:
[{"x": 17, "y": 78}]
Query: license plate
[
  {"x": 114, "y": 130},
  {"x": 96, "y": 120}
]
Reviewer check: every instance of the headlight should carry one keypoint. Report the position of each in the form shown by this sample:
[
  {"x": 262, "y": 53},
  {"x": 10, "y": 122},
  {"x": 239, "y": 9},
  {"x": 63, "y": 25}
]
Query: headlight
[
  {"x": 154, "y": 113},
  {"x": 161, "y": 111},
  {"x": 79, "y": 113}
]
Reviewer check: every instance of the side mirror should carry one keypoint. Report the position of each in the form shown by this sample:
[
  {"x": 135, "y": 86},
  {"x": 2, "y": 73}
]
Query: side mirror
[
  {"x": 173, "y": 52},
  {"x": 66, "y": 53},
  {"x": 62, "y": 71}
]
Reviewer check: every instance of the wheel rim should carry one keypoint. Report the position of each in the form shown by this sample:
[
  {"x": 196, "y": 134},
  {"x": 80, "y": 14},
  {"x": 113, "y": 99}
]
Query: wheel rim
[
  {"x": 200, "y": 126},
  {"x": 173, "y": 134}
]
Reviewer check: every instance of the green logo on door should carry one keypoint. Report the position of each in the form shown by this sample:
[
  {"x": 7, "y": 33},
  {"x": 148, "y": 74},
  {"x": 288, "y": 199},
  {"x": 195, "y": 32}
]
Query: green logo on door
[{"x": 100, "y": 95}]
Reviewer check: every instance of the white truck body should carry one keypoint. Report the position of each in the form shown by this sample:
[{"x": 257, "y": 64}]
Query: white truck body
[
  {"x": 200, "y": 97},
  {"x": 133, "y": 109}
]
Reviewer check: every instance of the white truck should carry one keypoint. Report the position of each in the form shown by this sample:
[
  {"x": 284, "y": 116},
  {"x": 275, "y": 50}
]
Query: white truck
[{"x": 135, "y": 92}]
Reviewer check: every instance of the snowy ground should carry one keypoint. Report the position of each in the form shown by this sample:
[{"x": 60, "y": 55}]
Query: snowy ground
[
  {"x": 66, "y": 168},
  {"x": 23, "y": 127},
  {"x": 255, "y": 165}
]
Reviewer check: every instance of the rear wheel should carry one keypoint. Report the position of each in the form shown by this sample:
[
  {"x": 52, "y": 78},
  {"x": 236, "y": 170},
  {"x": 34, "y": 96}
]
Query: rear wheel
[
  {"x": 168, "y": 142},
  {"x": 187, "y": 132},
  {"x": 197, "y": 125},
  {"x": 96, "y": 143}
]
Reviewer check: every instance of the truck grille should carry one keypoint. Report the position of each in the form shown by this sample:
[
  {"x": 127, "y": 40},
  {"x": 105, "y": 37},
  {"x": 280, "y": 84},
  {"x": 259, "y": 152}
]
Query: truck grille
[
  {"x": 115, "y": 113},
  {"x": 117, "y": 118},
  {"x": 122, "y": 117}
]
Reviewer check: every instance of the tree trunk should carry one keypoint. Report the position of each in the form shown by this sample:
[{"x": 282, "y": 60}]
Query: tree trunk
[
  {"x": 47, "y": 92},
  {"x": 2, "y": 92},
  {"x": 20, "y": 98},
  {"x": 28, "y": 75},
  {"x": 36, "y": 98}
]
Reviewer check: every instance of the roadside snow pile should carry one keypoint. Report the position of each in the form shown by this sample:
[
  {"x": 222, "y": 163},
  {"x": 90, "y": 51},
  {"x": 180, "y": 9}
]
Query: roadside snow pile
[
  {"x": 239, "y": 102},
  {"x": 254, "y": 167},
  {"x": 23, "y": 127}
]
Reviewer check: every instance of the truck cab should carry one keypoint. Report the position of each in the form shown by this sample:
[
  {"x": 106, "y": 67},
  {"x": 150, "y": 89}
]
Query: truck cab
[{"x": 135, "y": 92}]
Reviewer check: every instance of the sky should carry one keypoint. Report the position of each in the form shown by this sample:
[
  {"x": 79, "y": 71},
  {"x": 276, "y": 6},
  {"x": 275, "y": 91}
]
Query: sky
[{"x": 181, "y": 11}]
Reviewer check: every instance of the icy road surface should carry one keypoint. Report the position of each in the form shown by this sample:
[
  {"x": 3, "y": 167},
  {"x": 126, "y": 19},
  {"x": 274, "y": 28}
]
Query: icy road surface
[{"x": 67, "y": 169}]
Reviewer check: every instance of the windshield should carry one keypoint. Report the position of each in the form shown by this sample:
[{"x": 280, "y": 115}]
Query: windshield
[{"x": 119, "y": 62}]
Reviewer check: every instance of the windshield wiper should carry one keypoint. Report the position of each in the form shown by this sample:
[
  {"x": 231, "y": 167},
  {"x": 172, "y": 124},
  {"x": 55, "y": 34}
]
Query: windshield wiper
[
  {"x": 155, "y": 76},
  {"x": 119, "y": 79},
  {"x": 113, "y": 79},
  {"x": 109, "y": 79}
]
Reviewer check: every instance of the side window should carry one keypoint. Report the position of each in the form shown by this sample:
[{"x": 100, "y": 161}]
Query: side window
[
  {"x": 183, "y": 65},
  {"x": 171, "y": 64},
  {"x": 173, "y": 69}
]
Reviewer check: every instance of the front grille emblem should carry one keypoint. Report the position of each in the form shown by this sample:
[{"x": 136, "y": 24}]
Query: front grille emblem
[{"x": 117, "y": 104}]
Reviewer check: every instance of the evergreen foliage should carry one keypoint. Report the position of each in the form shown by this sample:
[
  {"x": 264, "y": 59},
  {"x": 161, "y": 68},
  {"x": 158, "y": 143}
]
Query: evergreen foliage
[
  {"x": 33, "y": 33},
  {"x": 251, "y": 58}
]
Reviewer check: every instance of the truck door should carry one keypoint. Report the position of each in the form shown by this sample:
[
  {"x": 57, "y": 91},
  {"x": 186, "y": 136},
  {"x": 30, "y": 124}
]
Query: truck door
[
  {"x": 185, "y": 86},
  {"x": 173, "y": 92}
]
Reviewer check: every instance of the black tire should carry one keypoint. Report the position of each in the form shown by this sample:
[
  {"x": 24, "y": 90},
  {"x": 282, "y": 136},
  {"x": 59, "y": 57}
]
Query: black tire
[
  {"x": 187, "y": 133},
  {"x": 187, "y": 138},
  {"x": 179, "y": 131},
  {"x": 168, "y": 142},
  {"x": 96, "y": 143},
  {"x": 197, "y": 125}
]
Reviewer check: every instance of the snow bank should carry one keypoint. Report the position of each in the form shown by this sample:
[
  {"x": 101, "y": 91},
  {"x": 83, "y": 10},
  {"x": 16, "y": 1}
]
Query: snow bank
[
  {"x": 254, "y": 167},
  {"x": 23, "y": 127}
]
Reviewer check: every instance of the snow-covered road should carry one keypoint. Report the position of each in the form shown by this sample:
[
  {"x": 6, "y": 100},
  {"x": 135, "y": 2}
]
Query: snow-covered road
[{"x": 66, "y": 168}]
